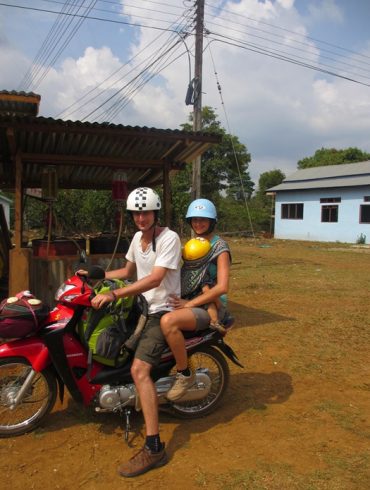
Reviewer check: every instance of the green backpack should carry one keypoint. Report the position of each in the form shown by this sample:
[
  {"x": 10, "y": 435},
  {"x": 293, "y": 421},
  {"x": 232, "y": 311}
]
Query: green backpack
[{"x": 104, "y": 331}]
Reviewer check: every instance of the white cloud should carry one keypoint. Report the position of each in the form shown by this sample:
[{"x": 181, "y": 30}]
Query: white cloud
[
  {"x": 286, "y": 4},
  {"x": 326, "y": 10}
]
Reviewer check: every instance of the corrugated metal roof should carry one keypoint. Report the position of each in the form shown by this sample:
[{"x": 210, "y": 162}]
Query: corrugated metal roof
[
  {"x": 87, "y": 154},
  {"x": 19, "y": 103},
  {"x": 329, "y": 176}
]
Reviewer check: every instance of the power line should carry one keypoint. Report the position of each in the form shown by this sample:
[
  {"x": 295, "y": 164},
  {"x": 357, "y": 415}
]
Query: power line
[
  {"x": 297, "y": 34},
  {"x": 265, "y": 52},
  {"x": 89, "y": 17},
  {"x": 231, "y": 139},
  {"x": 183, "y": 23},
  {"x": 118, "y": 92},
  {"x": 38, "y": 58},
  {"x": 138, "y": 88},
  {"x": 284, "y": 44}
]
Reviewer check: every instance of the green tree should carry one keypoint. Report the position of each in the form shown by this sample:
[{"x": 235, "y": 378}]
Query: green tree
[
  {"x": 269, "y": 179},
  {"x": 222, "y": 166},
  {"x": 331, "y": 156},
  {"x": 262, "y": 205},
  {"x": 74, "y": 211}
]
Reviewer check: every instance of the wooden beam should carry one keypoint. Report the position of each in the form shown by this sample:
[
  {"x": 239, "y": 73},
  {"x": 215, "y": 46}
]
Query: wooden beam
[
  {"x": 11, "y": 142},
  {"x": 18, "y": 206},
  {"x": 122, "y": 162}
]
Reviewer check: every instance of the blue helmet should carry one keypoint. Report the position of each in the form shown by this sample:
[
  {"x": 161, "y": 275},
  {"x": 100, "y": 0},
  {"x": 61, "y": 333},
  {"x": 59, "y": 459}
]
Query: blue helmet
[{"x": 201, "y": 208}]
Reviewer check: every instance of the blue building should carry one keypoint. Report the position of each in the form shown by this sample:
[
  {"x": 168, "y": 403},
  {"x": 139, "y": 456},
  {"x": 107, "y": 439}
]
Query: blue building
[{"x": 327, "y": 204}]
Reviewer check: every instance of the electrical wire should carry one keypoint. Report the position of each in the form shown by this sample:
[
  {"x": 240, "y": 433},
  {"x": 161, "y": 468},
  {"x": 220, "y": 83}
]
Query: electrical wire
[
  {"x": 265, "y": 52},
  {"x": 113, "y": 109},
  {"x": 295, "y": 48},
  {"x": 57, "y": 33},
  {"x": 39, "y": 56},
  {"x": 296, "y": 34},
  {"x": 231, "y": 139},
  {"x": 134, "y": 91},
  {"x": 182, "y": 23},
  {"x": 100, "y": 19}
]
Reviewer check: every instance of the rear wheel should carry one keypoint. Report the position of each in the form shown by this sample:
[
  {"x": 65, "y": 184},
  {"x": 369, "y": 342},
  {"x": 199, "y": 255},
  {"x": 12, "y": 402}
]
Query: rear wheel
[
  {"x": 210, "y": 361},
  {"x": 36, "y": 403}
]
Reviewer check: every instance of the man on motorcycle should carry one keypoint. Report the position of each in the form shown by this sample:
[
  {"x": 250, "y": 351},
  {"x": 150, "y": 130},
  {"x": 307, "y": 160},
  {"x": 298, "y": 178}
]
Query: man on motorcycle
[{"x": 154, "y": 256}]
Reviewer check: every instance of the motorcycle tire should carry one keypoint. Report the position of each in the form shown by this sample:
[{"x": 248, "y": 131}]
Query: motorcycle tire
[
  {"x": 210, "y": 359},
  {"x": 36, "y": 403}
]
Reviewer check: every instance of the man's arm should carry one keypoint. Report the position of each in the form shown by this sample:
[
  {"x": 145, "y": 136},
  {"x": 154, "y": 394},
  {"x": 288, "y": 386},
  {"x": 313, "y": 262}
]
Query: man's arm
[
  {"x": 127, "y": 272},
  {"x": 153, "y": 280}
]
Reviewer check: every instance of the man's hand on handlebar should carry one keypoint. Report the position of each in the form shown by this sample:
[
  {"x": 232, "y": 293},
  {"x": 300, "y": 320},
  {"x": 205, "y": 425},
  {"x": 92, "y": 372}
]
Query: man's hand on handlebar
[
  {"x": 82, "y": 272},
  {"x": 102, "y": 299}
]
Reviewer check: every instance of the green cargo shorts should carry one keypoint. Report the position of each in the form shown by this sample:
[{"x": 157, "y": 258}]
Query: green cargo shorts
[{"x": 152, "y": 342}]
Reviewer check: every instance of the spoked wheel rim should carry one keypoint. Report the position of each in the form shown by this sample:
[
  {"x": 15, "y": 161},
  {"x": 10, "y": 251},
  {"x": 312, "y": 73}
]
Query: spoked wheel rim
[
  {"x": 211, "y": 362},
  {"x": 35, "y": 403}
]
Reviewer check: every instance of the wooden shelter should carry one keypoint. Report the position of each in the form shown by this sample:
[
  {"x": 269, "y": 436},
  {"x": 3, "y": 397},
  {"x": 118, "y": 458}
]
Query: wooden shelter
[{"x": 85, "y": 156}]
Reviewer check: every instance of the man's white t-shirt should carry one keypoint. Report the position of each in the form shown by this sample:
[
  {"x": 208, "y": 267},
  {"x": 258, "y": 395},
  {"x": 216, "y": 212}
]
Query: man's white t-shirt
[{"x": 168, "y": 255}]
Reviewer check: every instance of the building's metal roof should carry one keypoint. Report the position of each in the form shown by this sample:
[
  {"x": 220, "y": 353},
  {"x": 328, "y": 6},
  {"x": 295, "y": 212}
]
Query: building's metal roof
[
  {"x": 19, "y": 103},
  {"x": 329, "y": 176},
  {"x": 87, "y": 154}
]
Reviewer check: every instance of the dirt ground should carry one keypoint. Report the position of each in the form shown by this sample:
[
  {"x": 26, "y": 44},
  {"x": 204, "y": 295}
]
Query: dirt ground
[{"x": 296, "y": 416}]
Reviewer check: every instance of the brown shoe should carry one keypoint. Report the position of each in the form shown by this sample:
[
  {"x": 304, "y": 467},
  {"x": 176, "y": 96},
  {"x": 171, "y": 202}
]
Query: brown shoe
[{"x": 142, "y": 462}]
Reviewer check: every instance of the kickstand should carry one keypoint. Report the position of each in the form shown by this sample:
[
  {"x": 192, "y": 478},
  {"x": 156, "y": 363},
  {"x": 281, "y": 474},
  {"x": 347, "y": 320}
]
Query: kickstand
[
  {"x": 127, "y": 414},
  {"x": 128, "y": 429}
]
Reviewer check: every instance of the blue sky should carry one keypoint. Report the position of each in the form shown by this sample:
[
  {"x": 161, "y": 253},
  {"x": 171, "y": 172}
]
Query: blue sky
[{"x": 281, "y": 111}]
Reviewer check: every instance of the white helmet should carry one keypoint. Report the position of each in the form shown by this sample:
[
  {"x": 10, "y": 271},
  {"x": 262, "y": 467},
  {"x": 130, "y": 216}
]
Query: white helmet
[{"x": 143, "y": 199}]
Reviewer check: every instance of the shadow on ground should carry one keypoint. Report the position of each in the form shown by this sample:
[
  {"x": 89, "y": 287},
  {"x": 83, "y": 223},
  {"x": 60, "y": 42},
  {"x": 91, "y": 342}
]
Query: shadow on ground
[
  {"x": 246, "y": 391},
  {"x": 246, "y": 316}
]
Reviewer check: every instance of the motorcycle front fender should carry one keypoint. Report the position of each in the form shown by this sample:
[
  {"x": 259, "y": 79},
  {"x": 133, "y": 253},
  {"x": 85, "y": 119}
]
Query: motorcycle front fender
[{"x": 33, "y": 349}]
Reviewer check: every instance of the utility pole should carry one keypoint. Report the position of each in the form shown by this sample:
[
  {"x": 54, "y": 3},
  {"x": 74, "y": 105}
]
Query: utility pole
[{"x": 197, "y": 106}]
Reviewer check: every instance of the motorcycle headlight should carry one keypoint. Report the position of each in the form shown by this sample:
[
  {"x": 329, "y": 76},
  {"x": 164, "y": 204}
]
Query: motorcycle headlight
[{"x": 62, "y": 290}]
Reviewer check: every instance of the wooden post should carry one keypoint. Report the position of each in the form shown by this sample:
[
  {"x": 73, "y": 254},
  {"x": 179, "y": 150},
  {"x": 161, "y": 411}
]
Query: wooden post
[
  {"x": 167, "y": 208},
  {"x": 18, "y": 206},
  {"x": 19, "y": 258},
  {"x": 197, "y": 108}
]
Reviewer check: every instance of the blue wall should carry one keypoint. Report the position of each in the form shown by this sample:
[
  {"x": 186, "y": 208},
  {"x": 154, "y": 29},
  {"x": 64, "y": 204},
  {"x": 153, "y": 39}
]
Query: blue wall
[{"x": 347, "y": 229}]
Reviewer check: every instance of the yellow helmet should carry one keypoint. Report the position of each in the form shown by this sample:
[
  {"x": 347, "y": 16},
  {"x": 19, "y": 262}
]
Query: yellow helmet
[{"x": 196, "y": 248}]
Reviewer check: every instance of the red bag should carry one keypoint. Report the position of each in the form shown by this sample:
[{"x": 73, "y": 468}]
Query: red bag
[{"x": 21, "y": 315}]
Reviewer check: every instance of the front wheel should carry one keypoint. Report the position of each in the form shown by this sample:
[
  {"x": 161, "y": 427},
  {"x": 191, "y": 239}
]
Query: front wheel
[
  {"x": 36, "y": 403},
  {"x": 210, "y": 361}
]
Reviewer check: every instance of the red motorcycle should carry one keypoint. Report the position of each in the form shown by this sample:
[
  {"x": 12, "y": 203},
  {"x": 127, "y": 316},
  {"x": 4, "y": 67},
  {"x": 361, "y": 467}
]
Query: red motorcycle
[{"x": 34, "y": 369}]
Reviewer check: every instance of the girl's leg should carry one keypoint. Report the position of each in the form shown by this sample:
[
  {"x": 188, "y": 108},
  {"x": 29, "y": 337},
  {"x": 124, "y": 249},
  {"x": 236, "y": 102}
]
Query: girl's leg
[{"x": 172, "y": 324}]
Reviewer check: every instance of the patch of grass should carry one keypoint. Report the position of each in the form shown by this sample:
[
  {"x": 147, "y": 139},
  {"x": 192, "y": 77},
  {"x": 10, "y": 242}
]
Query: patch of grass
[
  {"x": 39, "y": 433},
  {"x": 238, "y": 480},
  {"x": 347, "y": 417},
  {"x": 280, "y": 476},
  {"x": 201, "y": 478}
]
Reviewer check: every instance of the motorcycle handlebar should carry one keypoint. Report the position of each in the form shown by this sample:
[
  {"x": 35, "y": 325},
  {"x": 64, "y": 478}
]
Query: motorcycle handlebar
[{"x": 96, "y": 272}]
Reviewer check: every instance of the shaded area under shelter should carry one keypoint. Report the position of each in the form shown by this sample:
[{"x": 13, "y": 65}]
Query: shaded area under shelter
[{"x": 84, "y": 156}]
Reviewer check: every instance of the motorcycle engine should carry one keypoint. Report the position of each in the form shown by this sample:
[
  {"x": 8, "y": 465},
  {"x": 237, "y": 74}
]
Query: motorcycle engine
[{"x": 113, "y": 397}]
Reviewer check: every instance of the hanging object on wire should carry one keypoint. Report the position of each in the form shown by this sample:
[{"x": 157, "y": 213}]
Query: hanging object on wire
[
  {"x": 119, "y": 186},
  {"x": 49, "y": 192},
  {"x": 49, "y": 183}
]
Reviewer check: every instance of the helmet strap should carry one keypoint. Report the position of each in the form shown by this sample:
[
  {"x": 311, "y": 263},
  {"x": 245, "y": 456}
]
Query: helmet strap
[
  {"x": 154, "y": 229},
  {"x": 153, "y": 237}
]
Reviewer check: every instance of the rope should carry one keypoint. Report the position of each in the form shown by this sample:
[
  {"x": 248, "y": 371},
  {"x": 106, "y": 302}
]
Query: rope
[{"x": 232, "y": 142}]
